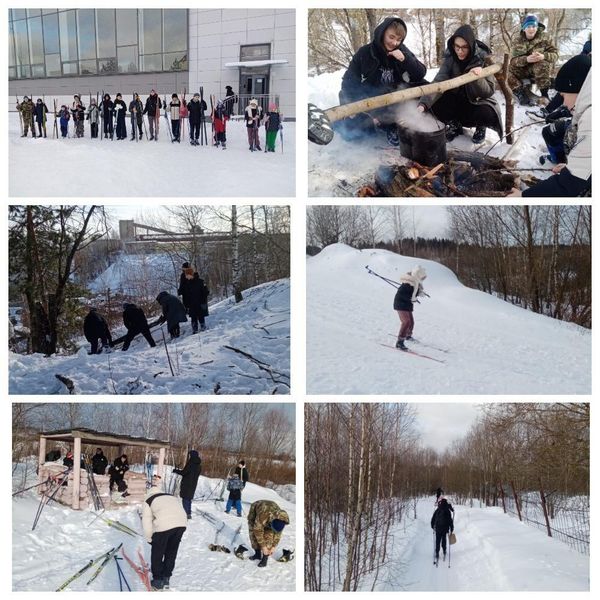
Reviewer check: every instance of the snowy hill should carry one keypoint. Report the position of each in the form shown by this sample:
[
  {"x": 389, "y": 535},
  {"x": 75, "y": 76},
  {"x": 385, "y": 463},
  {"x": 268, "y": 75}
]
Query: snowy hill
[
  {"x": 93, "y": 167},
  {"x": 486, "y": 345},
  {"x": 258, "y": 326},
  {"x": 65, "y": 540}
]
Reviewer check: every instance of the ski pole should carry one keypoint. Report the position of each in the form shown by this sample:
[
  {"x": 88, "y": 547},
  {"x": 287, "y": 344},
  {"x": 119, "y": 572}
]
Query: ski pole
[
  {"x": 167, "y": 351},
  {"x": 433, "y": 535},
  {"x": 449, "y": 547},
  {"x": 30, "y": 487},
  {"x": 122, "y": 578},
  {"x": 81, "y": 571},
  {"x": 104, "y": 563},
  {"x": 390, "y": 281}
]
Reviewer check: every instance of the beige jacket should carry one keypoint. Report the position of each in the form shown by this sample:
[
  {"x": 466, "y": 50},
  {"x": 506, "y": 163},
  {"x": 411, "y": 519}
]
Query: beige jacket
[{"x": 166, "y": 512}]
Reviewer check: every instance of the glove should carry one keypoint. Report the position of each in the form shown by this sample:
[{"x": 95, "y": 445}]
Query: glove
[{"x": 562, "y": 112}]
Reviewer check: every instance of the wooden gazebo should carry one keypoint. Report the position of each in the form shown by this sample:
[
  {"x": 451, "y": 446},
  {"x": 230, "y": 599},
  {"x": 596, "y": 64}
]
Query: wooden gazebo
[{"x": 75, "y": 493}]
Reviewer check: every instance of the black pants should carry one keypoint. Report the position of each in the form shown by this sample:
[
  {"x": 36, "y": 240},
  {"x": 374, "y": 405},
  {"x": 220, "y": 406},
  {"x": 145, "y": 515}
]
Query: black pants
[
  {"x": 108, "y": 127},
  {"x": 119, "y": 482},
  {"x": 121, "y": 127},
  {"x": 453, "y": 106},
  {"x": 554, "y": 136},
  {"x": 165, "y": 545},
  {"x": 94, "y": 344},
  {"x": 94, "y": 129},
  {"x": 131, "y": 334},
  {"x": 563, "y": 185},
  {"x": 194, "y": 130},
  {"x": 174, "y": 331},
  {"x": 440, "y": 537},
  {"x": 175, "y": 128}
]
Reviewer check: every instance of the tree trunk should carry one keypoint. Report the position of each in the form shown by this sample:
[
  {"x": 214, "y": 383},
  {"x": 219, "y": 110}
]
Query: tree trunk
[{"x": 235, "y": 256}]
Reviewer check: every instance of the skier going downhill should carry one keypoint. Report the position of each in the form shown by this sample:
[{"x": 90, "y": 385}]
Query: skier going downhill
[
  {"x": 442, "y": 523},
  {"x": 411, "y": 287}
]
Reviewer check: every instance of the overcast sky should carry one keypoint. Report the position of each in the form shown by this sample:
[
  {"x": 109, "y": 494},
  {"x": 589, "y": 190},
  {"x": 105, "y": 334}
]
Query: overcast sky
[{"x": 441, "y": 424}]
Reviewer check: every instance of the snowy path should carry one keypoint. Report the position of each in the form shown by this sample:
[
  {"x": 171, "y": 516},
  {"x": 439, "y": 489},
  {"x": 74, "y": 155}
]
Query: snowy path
[
  {"x": 494, "y": 552},
  {"x": 492, "y": 346},
  {"x": 201, "y": 363},
  {"x": 85, "y": 167}
]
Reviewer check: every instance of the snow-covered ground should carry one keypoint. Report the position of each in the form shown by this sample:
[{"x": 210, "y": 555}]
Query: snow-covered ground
[
  {"x": 260, "y": 326},
  {"x": 487, "y": 346},
  {"x": 65, "y": 540},
  {"x": 87, "y": 167},
  {"x": 341, "y": 167},
  {"x": 493, "y": 552}
]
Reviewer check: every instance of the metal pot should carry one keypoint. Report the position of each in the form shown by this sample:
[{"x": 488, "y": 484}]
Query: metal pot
[{"x": 425, "y": 147}]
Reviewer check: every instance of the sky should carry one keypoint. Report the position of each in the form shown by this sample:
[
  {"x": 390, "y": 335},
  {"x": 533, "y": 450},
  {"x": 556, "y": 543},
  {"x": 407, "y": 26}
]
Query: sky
[{"x": 441, "y": 424}]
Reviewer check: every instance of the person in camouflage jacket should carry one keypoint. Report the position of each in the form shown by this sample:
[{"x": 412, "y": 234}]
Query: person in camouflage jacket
[
  {"x": 266, "y": 521},
  {"x": 26, "y": 108},
  {"x": 533, "y": 58}
]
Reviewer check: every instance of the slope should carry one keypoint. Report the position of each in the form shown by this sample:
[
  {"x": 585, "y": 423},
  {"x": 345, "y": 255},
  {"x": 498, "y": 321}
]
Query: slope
[{"x": 487, "y": 346}]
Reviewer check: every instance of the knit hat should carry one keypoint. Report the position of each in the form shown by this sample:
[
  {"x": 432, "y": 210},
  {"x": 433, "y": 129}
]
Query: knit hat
[
  {"x": 185, "y": 265},
  {"x": 272, "y": 106},
  {"x": 254, "y": 101},
  {"x": 572, "y": 74},
  {"x": 173, "y": 95},
  {"x": 278, "y": 525},
  {"x": 196, "y": 95},
  {"x": 530, "y": 21}
]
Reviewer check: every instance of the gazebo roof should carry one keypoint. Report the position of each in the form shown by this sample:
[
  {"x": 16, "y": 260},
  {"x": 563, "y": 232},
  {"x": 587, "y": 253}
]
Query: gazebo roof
[{"x": 90, "y": 436}]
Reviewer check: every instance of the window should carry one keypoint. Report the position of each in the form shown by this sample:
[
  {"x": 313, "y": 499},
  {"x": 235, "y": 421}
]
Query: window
[
  {"x": 127, "y": 27},
  {"x": 105, "y": 30},
  {"x": 151, "y": 62},
  {"x": 175, "y": 61},
  {"x": 51, "y": 39},
  {"x": 21, "y": 43},
  {"x": 127, "y": 59},
  {"x": 36, "y": 40},
  {"x": 68, "y": 35},
  {"x": 151, "y": 32},
  {"x": 255, "y": 52},
  {"x": 86, "y": 33},
  {"x": 175, "y": 30},
  {"x": 53, "y": 65}
]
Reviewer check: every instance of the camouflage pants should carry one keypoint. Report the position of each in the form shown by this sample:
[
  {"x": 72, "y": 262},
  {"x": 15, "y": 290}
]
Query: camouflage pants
[{"x": 539, "y": 73}]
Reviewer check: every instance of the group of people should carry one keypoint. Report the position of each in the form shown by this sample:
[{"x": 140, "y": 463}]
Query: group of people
[
  {"x": 108, "y": 118},
  {"x": 386, "y": 64},
  {"x": 194, "y": 303}
]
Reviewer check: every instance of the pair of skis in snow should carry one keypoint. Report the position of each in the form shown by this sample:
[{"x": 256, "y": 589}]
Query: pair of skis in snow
[
  {"x": 101, "y": 561},
  {"x": 414, "y": 353}
]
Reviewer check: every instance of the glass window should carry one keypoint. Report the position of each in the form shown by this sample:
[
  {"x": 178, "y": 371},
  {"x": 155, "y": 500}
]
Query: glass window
[
  {"x": 126, "y": 27},
  {"x": 21, "y": 43},
  {"x": 175, "y": 30},
  {"x": 105, "y": 28},
  {"x": 23, "y": 72},
  {"x": 70, "y": 68},
  {"x": 51, "y": 40},
  {"x": 88, "y": 67},
  {"x": 12, "y": 72},
  {"x": 108, "y": 65},
  {"x": 128, "y": 59},
  {"x": 175, "y": 61},
  {"x": 48, "y": 11},
  {"x": 150, "y": 31},
  {"x": 34, "y": 12},
  {"x": 86, "y": 33},
  {"x": 36, "y": 41},
  {"x": 151, "y": 62},
  {"x": 53, "y": 65},
  {"x": 11, "y": 45},
  {"x": 68, "y": 35},
  {"x": 19, "y": 13},
  {"x": 38, "y": 71},
  {"x": 255, "y": 52}
]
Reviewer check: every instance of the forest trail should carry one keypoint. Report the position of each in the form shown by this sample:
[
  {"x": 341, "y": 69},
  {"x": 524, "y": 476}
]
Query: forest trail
[
  {"x": 494, "y": 552},
  {"x": 489, "y": 346}
]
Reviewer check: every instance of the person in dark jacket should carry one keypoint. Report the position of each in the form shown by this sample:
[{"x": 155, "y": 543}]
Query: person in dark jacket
[
  {"x": 136, "y": 111},
  {"x": 442, "y": 523},
  {"x": 242, "y": 472},
  {"x": 273, "y": 122},
  {"x": 152, "y": 109},
  {"x": 68, "y": 460},
  {"x": 120, "y": 110},
  {"x": 234, "y": 486},
  {"x": 219, "y": 118},
  {"x": 439, "y": 492},
  {"x": 95, "y": 328},
  {"x": 385, "y": 65},
  {"x": 40, "y": 111},
  {"x": 117, "y": 472},
  {"x": 230, "y": 100},
  {"x": 194, "y": 294},
  {"x": 411, "y": 286},
  {"x": 196, "y": 109},
  {"x": 135, "y": 321},
  {"x": 64, "y": 116},
  {"x": 107, "y": 108},
  {"x": 189, "y": 480},
  {"x": 470, "y": 105},
  {"x": 99, "y": 462},
  {"x": 78, "y": 112},
  {"x": 173, "y": 313}
]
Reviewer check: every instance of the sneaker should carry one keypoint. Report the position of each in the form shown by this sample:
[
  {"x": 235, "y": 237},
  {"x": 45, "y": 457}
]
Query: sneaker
[
  {"x": 522, "y": 96},
  {"x": 400, "y": 345},
  {"x": 453, "y": 130},
  {"x": 392, "y": 137},
  {"x": 479, "y": 135}
]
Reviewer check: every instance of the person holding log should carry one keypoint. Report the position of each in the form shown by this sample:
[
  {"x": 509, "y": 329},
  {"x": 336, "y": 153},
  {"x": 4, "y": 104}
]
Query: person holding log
[
  {"x": 380, "y": 67},
  {"x": 470, "y": 105}
]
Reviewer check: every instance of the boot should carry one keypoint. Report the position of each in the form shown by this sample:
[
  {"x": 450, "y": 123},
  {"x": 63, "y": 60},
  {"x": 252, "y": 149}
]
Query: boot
[
  {"x": 263, "y": 562},
  {"x": 151, "y": 137},
  {"x": 522, "y": 96},
  {"x": 479, "y": 135},
  {"x": 453, "y": 130},
  {"x": 257, "y": 555},
  {"x": 157, "y": 584},
  {"x": 400, "y": 345},
  {"x": 202, "y": 327},
  {"x": 166, "y": 581}
]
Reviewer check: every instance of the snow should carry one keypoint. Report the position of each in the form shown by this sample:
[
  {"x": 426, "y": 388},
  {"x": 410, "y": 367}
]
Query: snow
[
  {"x": 84, "y": 167},
  {"x": 259, "y": 325},
  {"x": 487, "y": 346},
  {"x": 64, "y": 540},
  {"x": 341, "y": 167}
]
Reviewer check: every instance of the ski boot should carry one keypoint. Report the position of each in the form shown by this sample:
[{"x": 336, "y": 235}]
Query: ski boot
[
  {"x": 479, "y": 135},
  {"x": 166, "y": 581},
  {"x": 263, "y": 561},
  {"x": 157, "y": 584},
  {"x": 453, "y": 130},
  {"x": 400, "y": 345},
  {"x": 257, "y": 555},
  {"x": 287, "y": 556},
  {"x": 239, "y": 551},
  {"x": 151, "y": 138}
]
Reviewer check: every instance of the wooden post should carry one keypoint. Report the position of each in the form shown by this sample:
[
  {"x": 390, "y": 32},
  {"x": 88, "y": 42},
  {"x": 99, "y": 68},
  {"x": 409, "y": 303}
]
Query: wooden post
[
  {"x": 161, "y": 464},
  {"x": 76, "y": 472},
  {"x": 512, "y": 485},
  {"x": 543, "y": 497},
  {"x": 41, "y": 457},
  {"x": 502, "y": 496},
  {"x": 502, "y": 79}
]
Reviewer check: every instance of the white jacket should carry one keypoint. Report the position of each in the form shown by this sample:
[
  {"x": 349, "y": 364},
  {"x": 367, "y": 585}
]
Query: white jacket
[
  {"x": 166, "y": 512},
  {"x": 579, "y": 160}
]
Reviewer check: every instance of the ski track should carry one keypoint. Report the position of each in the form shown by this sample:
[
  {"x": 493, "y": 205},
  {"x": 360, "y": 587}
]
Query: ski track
[
  {"x": 63, "y": 542},
  {"x": 493, "y": 346},
  {"x": 105, "y": 168},
  {"x": 145, "y": 370},
  {"x": 494, "y": 552}
]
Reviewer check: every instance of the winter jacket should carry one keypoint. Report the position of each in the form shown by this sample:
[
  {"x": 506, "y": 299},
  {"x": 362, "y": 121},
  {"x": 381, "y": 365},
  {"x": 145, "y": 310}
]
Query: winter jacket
[
  {"x": 107, "y": 107},
  {"x": 40, "y": 111},
  {"x": 172, "y": 309},
  {"x": 174, "y": 107},
  {"x": 138, "y": 107},
  {"x": 26, "y": 108},
  {"x": 260, "y": 516},
  {"x": 120, "y": 109},
  {"x": 410, "y": 287},
  {"x": 118, "y": 469},
  {"x": 522, "y": 47},
  {"x": 242, "y": 473},
  {"x": 220, "y": 118},
  {"x": 442, "y": 520},
  {"x": 373, "y": 72},
  {"x": 252, "y": 116},
  {"x": 99, "y": 463},
  {"x": 273, "y": 121},
  {"x": 196, "y": 109},
  {"x": 78, "y": 111},
  {"x": 134, "y": 319},
  {"x": 478, "y": 92},
  {"x": 194, "y": 295},
  {"x": 161, "y": 512},
  {"x": 93, "y": 114},
  {"x": 189, "y": 475},
  {"x": 152, "y": 104},
  {"x": 95, "y": 327}
]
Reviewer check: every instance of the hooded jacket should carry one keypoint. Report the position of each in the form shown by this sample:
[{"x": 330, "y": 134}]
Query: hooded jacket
[
  {"x": 134, "y": 319},
  {"x": 260, "y": 516},
  {"x": 522, "y": 47},
  {"x": 372, "y": 72},
  {"x": 161, "y": 512},
  {"x": 99, "y": 463},
  {"x": 442, "y": 520},
  {"x": 410, "y": 287},
  {"x": 173, "y": 310},
  {"x": 194, "y": 295},
  {"x": 478, "y": 92},
  {"x": 189, "y": 475},
  {"x": 95, "y": 327}
]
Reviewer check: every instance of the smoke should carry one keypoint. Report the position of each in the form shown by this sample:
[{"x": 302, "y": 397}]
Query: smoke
[{"x": 408, "y": 116}]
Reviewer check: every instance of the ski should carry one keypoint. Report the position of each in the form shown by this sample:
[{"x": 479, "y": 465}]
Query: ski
[
  {"x": 420, "y": 343},
  {"x": 121, "y": 527},
  {"x": 106, "y": 560},
  {"x": 81, "y": 571},
  {"x": 219, "y": 548},
  {"x": 167, "y": 118},
  {"x": 287, "y": 556},
  {"x": 140, "y": 570},
  {"x": 413, "y": 353}
]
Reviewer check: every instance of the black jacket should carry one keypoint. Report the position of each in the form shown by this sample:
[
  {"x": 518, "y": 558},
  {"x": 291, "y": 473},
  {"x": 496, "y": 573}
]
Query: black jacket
[
  {"x": 442, "y": 520},
  {"x": 403, "y": 297},
  {"x": 152, "y": 104},
  {"x": 119, "y": 468},
  {"x": 40, "y": 110},
  {"x": 189, "y": 475},
  {"x": 99, "y": 464},
  {"x": 242, "y": 474},
  {"x": 134, "y": 319},
  {"x": 95, "y": 327},
  {"x": 372, "y": 72},
  {"x": 235, "y": 495},
  {"x": 107, "y": 107},
  {"x": 478, "y": 92},
  {"x": 173, "y": 310},
  {"x": 195, "y": 110},
  {"x": 122, "y": 112},
  {"x": 194, "y": 295}
]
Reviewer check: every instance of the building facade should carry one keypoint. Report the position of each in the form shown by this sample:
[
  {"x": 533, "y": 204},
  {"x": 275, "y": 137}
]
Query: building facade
[{"x": 60, "y": 52}]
